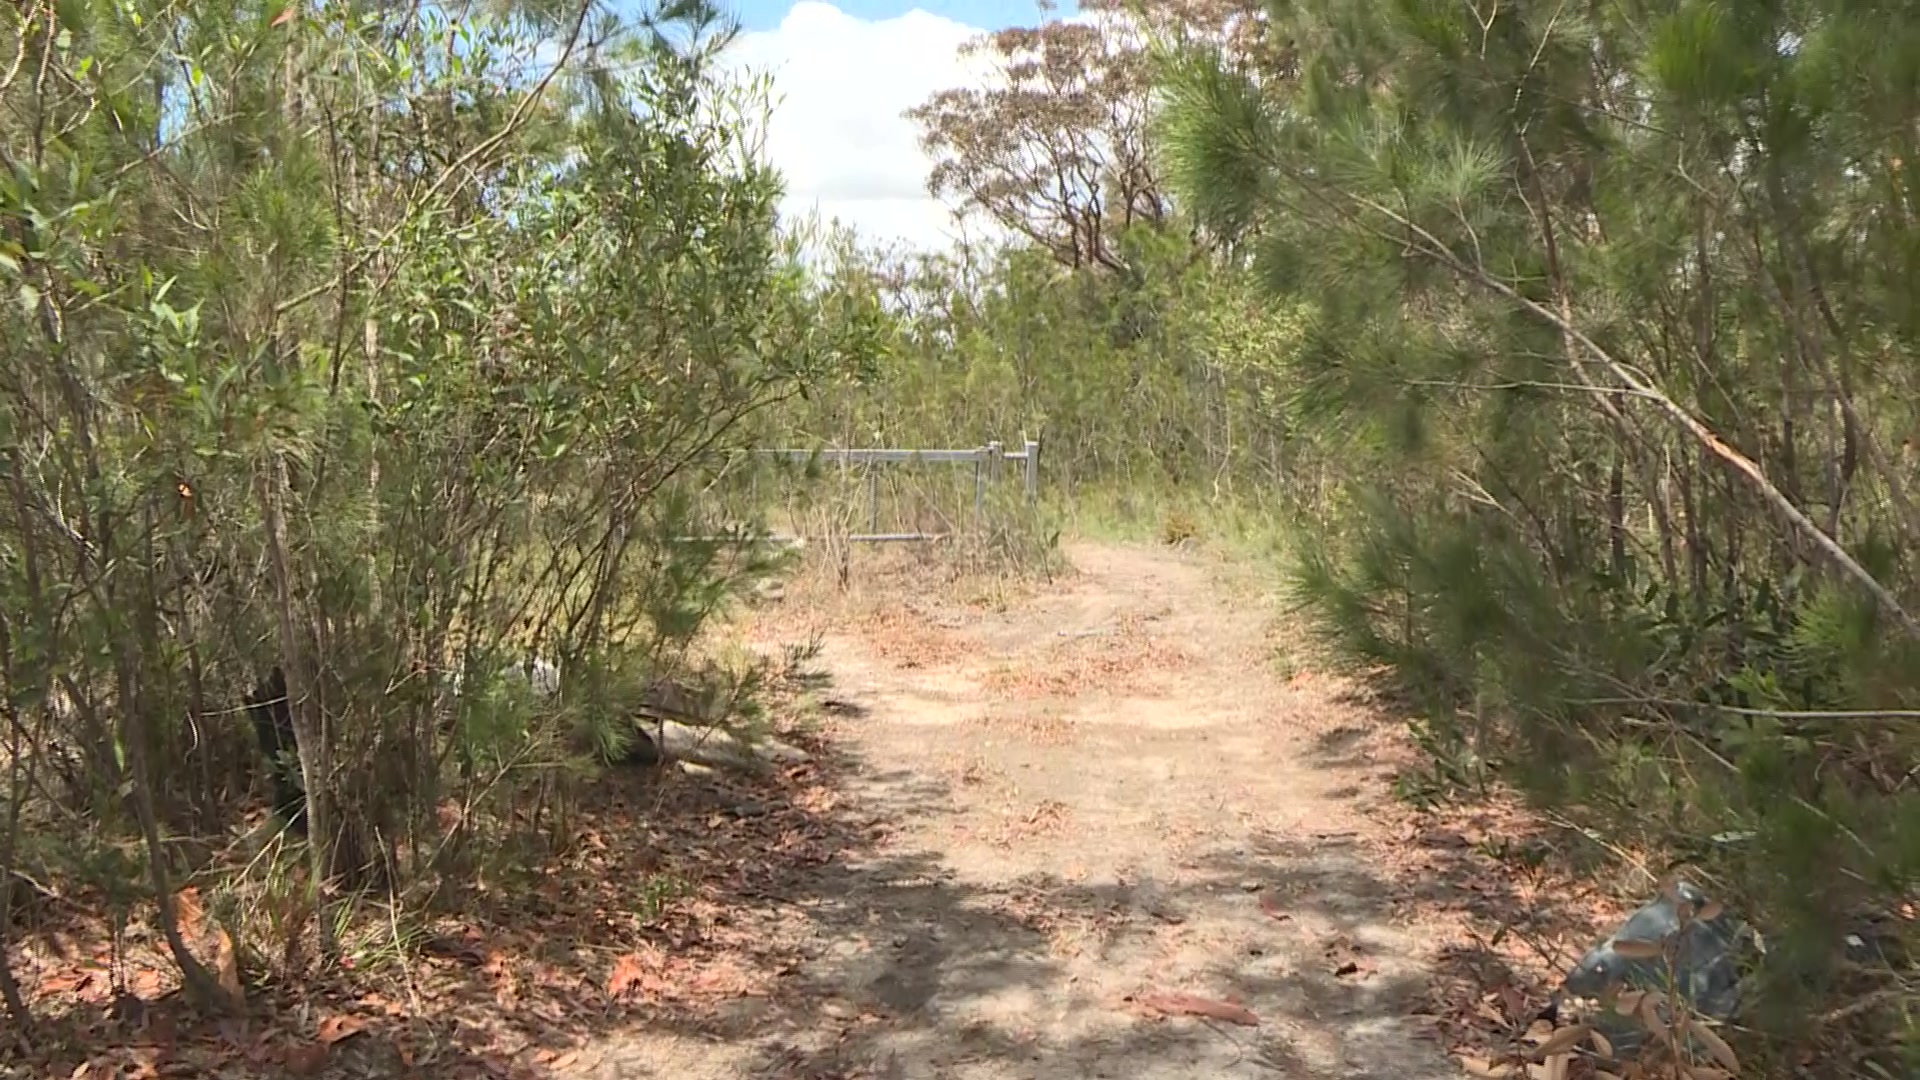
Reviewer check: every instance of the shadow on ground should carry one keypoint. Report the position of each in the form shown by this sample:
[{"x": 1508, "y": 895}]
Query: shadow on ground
[
  {"x": 1531, "y": 893},
  {"x": 704, "y": 927},
  {"x": 893, "y": 968}
]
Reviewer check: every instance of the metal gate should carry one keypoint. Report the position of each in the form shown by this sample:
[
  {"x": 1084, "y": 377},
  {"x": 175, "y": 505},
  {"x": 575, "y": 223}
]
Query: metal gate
[{"x": 989, "y": 465}]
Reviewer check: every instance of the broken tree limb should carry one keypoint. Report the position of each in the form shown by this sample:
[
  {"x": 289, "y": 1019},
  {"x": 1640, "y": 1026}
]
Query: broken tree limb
[
  {"x": 718, "y": 749},
  {"x": 684, "y": 724}
]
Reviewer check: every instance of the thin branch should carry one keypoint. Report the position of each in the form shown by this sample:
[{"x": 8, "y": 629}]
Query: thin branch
[
  {"x": 1433, "y": 248},
  {"x": 1523, "y": 384},
  {"x": 453, "y": 168},
  {"x": 1765, "y": 714}
]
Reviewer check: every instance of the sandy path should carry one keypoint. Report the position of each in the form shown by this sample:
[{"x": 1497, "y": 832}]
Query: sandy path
[{"x": 1099, "y": 794}]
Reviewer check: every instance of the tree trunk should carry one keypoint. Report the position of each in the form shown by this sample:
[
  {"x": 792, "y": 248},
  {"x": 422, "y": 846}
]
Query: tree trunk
[
  {"x": 309, "y": 729},
  {"x": 138, "y": 727},
  {"x": 21, "y": 750},
  {"x": 1617, "y": 515}
]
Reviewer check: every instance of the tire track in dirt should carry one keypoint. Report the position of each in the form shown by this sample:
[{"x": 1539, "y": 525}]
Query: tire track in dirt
[
  {"x": 1099, "y": 794},
  {"x": 1125, "y": 765}
]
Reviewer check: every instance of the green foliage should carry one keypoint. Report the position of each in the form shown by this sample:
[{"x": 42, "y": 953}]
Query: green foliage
[
  {"x": 385, "y": 351},
  {"x": 1525, "y": 240},
  {"x": 1152, "y": 377}
]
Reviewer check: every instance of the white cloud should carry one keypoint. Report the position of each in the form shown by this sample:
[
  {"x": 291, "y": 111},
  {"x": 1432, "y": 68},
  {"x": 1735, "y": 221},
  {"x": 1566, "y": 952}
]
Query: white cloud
[{"x": 838, "y": 133}]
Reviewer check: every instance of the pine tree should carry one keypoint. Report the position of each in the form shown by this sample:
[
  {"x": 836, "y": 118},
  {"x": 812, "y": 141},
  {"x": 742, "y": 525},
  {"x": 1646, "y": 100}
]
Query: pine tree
[{"x": 1611, "y": 306}]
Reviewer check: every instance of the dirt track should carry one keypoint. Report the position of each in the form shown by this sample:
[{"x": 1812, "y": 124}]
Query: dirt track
[{"x": 1099, "y": 796}]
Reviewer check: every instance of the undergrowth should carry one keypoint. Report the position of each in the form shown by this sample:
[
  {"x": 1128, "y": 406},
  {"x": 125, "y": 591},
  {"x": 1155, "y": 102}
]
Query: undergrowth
[{"x": 1739, "y": 739}]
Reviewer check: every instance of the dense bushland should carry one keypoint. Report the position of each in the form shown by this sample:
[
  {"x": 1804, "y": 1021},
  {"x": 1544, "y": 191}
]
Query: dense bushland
[
  {"x": 377, "y": 347},
  {"x": 1103, "y": 324},
  {"x": 1583, "y": 338},
  {"x": 1614, "y": 314},
  {"x": 1136, "y": 384},
  {"x": 385, "y": 350}
]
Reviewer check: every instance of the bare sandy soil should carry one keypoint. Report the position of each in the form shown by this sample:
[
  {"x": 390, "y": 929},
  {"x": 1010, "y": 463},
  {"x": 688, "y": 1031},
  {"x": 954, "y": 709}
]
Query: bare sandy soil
[{"x": 1085, "y": 815}]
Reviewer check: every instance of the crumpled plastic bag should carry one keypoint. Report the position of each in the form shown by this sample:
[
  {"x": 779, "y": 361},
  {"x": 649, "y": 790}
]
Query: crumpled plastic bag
[{"x": 1709, "y": 965}]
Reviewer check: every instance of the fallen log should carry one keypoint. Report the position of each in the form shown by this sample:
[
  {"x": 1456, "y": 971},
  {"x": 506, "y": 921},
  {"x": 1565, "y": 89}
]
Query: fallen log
[
  {"x": 680, "y": 721},
  {"x": 719, "y": 749}
]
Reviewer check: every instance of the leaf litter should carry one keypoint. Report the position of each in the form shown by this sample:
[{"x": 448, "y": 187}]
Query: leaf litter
[
  {"x": 665, "y": 906},
  {"x": 669, "y": 908}
]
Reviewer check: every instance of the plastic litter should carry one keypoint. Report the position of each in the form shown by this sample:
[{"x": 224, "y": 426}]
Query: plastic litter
[{"x": 1709, "y": 962}]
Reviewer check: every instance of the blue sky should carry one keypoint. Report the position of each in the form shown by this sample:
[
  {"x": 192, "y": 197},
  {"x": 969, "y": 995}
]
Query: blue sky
[
  {"x": 766, "y": 14},
  {"x": 844, "y": 73}
]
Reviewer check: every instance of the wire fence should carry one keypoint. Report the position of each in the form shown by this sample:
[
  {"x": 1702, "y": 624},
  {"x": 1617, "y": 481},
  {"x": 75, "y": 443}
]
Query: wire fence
[{"x": 873, "y": 495}]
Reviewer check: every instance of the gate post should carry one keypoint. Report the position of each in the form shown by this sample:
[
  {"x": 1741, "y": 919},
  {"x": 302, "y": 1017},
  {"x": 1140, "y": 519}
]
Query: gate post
[
  {"x": 1032, "y": 464},
  {"x": 979, "y": 482}
]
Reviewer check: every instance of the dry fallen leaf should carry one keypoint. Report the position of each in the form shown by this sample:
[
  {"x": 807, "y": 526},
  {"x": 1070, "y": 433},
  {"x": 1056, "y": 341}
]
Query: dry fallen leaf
[
  {"x": 1193, "y": 1005},
  {"x": 1270, "y": 904},
  {"x": 1650, "y": 1013},
  {"x": 226, "y": 965},
  {"x": 339, "y": 1027},
  {"x": 1554, "y": 1068},
  {"x": 65, "y": 983},
  {"x": 305, "y": 1060},
  {"x": 189, "y": 914},
  {"x": 1479, "y": 1066},
  {"x": 1718, "y": 1047},
  {"x": 1631, "y": 949},
  {"x": 1563, "y": 1040},
  {"x": 628, "y": 972}
]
